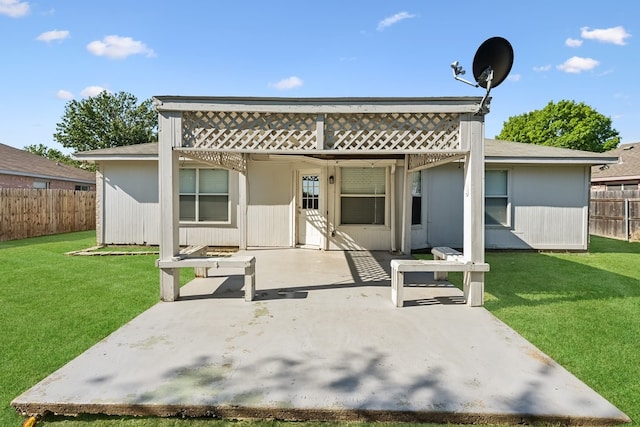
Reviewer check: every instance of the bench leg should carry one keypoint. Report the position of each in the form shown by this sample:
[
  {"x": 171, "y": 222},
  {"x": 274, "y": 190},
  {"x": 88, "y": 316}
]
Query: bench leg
[
  {"x": 249, "y": 283},
  {"x": 397, "y": 288},
  {"x": 439, "y": 275},
  {"x": 474, "y": 288},
  {"x": 169, "y": 284}
]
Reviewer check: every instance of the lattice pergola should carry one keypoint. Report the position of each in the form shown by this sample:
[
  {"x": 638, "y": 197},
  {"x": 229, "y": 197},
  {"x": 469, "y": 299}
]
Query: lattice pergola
[{"x": 223, "y": 131}]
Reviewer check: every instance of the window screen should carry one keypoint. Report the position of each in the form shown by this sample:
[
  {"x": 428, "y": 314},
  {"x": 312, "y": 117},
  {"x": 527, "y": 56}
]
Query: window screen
[
  {"x": 204, "y": 195},
  {"x": 363, "y": 196},
  {"x": 496, "y": 202}
]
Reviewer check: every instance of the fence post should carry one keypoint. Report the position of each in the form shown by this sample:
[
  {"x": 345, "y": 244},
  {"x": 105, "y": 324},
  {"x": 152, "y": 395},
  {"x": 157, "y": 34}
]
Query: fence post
[{"x": 627, "y": 234}]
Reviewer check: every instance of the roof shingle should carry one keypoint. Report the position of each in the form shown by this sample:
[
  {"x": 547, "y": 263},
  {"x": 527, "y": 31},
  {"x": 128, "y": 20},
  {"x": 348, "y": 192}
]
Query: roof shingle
[{"x": 20, "y": 162}]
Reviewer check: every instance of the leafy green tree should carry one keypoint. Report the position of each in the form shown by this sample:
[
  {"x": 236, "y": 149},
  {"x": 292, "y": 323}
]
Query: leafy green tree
[
  {"x": 565, "y": 124},
  {"x": 58, "y": 156},
  {"x": 106, "y": 120}
]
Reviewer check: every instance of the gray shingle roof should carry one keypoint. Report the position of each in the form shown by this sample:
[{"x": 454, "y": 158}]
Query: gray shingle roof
[
  {"x": 495, "y": 150},
  {"x": 148, "y": 149},
  {"x": 627, "y": 168},
  {"x": 20, "y": 162}
]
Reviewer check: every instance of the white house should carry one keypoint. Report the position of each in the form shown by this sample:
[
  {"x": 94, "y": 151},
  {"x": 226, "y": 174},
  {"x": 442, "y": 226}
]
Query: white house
[
  {"x": 537, "y": 198},
  {"x": 337, "y": 174}
]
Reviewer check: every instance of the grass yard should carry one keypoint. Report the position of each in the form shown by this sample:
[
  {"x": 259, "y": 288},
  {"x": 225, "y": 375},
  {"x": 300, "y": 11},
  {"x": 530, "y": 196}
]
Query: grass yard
[{"x": 583, "y": 310}]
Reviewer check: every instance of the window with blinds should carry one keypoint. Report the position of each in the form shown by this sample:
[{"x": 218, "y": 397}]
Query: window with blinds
[
  {"x": 363, "y": 196},
  {"x": 204, "y": 195}
]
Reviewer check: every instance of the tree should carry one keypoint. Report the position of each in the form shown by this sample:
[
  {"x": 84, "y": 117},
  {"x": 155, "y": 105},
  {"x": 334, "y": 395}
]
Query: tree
[
  {"x": 566, "y": 124},
  {"x": 57, "y": 155},
  {"x": 106, "y": 120}
]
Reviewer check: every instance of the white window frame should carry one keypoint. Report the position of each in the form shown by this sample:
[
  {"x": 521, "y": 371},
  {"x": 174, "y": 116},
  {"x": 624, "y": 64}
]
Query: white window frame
[
  {"x": 197, "y": 195},
  {"x": 506, "y": 196},
  {"x": 41, "y": 185},
  {"x": 386, "y": 196}
]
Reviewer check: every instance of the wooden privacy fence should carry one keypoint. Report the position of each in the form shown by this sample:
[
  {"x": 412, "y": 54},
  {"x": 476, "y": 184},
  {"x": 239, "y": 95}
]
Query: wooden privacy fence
[
  {"x": 615, "y": 214},
  {"x": 27, "y": 212}
]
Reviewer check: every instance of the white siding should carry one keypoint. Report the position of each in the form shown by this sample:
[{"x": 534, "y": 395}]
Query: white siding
[
  {"x": 216, "y": 234},
  {"x": 442, "y": 205},
  {"x": 129, "y": 203},
  {"x": 270, "y": 199},
  {"x": 130, "y": 211},
  {"x": 549, "y": 208}
]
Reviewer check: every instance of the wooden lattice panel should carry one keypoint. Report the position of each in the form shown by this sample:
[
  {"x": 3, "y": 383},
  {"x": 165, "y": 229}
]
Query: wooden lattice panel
[
  {"x": 424, "y": 161},
  {"x": 248, "y": 131},
  {"x": 392, "y": 131},
  {"x": 226, "y": 160}
]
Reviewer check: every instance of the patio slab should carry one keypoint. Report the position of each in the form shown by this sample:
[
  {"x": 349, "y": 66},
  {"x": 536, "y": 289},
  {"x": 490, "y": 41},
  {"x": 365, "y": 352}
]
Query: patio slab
[{"x": 322, "y": 341}]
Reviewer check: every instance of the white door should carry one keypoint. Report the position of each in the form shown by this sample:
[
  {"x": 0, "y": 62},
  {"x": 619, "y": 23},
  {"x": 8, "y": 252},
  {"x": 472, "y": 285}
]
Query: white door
[{"x": 310, "y": 221}]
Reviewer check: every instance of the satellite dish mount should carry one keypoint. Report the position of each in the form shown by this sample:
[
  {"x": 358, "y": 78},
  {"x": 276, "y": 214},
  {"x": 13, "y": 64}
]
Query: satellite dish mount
[{"x": 491, "y": 66}]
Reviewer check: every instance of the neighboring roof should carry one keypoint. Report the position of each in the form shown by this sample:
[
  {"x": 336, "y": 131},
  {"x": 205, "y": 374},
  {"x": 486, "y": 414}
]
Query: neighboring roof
[
  {"x": 495, "y": 152},
  {"x": 628, "y": 168},
  {"x": 14, "y": 161}
]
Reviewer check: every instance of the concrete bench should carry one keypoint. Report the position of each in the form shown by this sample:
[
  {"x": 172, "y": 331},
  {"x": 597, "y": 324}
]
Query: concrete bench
[
  {"x": 444, "y": 253},
  {"x": 401, "y": 266},
  {"x": 244, "y": 262},
  {"x": 195, "y": 251}
]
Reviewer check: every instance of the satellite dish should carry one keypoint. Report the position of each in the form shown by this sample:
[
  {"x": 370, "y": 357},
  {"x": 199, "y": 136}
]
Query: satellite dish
[
  {"x": 496, "y": 53},
  {"x": 491, "y": 66}
]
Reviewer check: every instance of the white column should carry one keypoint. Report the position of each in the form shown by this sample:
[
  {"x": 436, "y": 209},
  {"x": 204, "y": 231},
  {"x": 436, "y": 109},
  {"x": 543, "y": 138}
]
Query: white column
[
  {"x": 393, "y": 209},
  {"x": 242, "y": 202},
  {"x": 473, "y": 131},
  {"x": 169, "y": 135}
]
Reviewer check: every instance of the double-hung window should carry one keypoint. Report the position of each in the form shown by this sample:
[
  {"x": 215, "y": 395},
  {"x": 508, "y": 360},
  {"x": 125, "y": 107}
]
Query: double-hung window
[
  {"x": 363, "y": 196},
  {"x": 416, "y": 196},
  {"x": 496, "y": 198},
  {"x": 204, "y": 195}
]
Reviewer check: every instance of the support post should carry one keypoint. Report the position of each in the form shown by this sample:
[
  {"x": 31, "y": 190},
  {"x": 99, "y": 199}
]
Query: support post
[
  {"x": 169, "y": 135},
  {"x": 473, "y": 131},
  {"x": 243, "y": 189}
]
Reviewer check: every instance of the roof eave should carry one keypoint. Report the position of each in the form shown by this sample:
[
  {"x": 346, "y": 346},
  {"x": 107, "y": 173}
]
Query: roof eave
[
  {"x": 553, "y": 160},
  {"x": 45, "y": 176},
  {"x": 118, "y": 157}
]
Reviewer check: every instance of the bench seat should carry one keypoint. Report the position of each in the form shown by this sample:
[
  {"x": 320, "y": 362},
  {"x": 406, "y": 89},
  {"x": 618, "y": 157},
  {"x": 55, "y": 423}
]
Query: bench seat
[
  {"x": 401, "y": 266},
  {"x": 245, "y": 262}
]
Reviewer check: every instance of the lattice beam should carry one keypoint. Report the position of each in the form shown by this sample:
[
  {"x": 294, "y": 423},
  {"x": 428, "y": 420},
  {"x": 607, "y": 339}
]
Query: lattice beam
[
  {"x": 424, "y": 161},
  {"x": 225, "y": 160}
]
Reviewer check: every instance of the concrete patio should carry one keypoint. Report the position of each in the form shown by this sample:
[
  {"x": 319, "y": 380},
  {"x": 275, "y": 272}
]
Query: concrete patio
[{"x": 322, "y": 341}]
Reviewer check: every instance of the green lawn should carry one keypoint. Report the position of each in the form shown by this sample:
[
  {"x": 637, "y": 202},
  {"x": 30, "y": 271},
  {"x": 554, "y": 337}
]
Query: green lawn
[{"x": 583, "y": 310}]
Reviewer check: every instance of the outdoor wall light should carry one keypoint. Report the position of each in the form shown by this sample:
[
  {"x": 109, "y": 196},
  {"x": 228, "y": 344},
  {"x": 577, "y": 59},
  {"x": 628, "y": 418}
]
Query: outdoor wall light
[{"x": 331, "y": 179}]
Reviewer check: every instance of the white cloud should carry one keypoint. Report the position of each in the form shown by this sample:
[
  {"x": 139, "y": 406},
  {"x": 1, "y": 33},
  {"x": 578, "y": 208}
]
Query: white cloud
[
  {"x": 50, "y": 36},
  {"x": 573, "y": 42},
  {"x": 394, "y": 19},
  {"x": 116, "y": 47},
  {"x": 90, "y": 91},
  {"x": 64, "y": 94},
  {"x": 14, "y": 8},
  {"x": 576, "y": 65},
  {"x": 615, "y": 35},
  {"x": 288, "y": 83},
  {"x": 514, "y": 77},
  {"x": 542, "y": 68}
]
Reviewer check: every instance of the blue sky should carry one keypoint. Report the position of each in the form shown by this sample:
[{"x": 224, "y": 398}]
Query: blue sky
[{"x": 57, "y": 50}]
